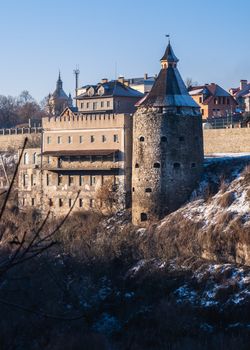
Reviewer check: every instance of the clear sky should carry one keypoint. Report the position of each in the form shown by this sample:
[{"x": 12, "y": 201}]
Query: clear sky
[{"x": 39, "y": 37}]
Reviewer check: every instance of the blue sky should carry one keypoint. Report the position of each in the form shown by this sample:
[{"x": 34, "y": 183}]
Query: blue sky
[{"x": 39, "y": 37}]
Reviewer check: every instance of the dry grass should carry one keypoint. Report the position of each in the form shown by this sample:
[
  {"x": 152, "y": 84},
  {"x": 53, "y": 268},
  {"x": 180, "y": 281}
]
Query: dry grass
[
  {"x": 248, "y": 195},
  {"x": 226, "y": 199}
]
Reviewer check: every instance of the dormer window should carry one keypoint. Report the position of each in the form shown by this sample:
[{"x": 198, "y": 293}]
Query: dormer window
[
  {"x": 91, "y": 91},
  {"x": 101, "y": 91}
]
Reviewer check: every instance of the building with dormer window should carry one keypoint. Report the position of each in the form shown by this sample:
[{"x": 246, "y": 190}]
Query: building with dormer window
[{"x": 107, "y": 97}]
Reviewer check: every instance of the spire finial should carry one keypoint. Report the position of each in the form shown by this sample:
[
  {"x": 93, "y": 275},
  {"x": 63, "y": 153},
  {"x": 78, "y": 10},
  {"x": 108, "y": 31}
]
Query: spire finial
[{"x": 168, "y": 36}]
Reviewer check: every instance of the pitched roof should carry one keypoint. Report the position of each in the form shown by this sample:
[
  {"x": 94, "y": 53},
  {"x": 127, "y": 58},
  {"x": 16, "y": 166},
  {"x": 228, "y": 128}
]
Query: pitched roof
[
  {"x": 210, "y": 91},
  {"x": 111, "y": 88},
  {"x": 243, "y": 92}
]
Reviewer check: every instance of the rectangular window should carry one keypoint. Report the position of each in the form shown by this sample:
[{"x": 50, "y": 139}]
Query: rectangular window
[
  {"x": 50, "y": 202},
  {"x": 59, "y": 179},
  {"x": 24, "y": 201},
  {"x": 87, "y": 105},
  {"x": 32, "y": 201},
  {"x": 104, "y": 138},
  {"x": 108, "y": 103},
  {"x": 81, "y": 139},
  {"x": 71, "y": 180},
  {"x": 70, "y": 202},
  {"x": 59, "y": 139},
  {"x": 82, "y": 104},
  {"x": 60, "y": 202},
  {"x": 48, "y": 179},
  {"x": 91, "y": 203},
  {"x": 48, "y": 160},
  {"x": 48, "y": 140},
  {"x": 92, "y": 180},
  {"x": 80, "y": 202},
  {"x": 92, "y": 138},
  {"x": 115, "y": 138},
  {"x": 25, "y": 179},
  {"x": 81, "y": 180},
  {"x": 94, "y": 105},
  {"x": 33, "y": 180},
  {"x": 200, "y": 99},
  {"x": 102, "y": 104},
  {"x": 70, "y": 139}
]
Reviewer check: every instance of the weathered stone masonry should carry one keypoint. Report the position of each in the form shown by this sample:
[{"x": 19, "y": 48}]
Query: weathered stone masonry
[{"x": 167, "y": 147}]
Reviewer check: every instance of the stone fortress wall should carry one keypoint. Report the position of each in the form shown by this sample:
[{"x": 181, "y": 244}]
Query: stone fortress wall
[
  {"x": 12, "y": 139},
  {"x": 235, "y": 140}
]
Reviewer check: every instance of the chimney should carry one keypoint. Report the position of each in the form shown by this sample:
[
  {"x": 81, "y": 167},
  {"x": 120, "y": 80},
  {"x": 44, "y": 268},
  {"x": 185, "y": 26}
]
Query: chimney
[
  {"x": 243, "y": 84},
  {"x": 104, "y": 80},
  {"x": 145, "y": 76},
  {"x": 121, "y": 79}
]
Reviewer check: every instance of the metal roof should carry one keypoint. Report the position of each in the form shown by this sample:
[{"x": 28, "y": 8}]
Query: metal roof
[{"x": 168, "y": 90}]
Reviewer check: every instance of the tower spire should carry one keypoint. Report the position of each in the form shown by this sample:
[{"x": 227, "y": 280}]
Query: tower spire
[
  {"x": 59, "y": 82},
  {"x": 169, "y": 58}
]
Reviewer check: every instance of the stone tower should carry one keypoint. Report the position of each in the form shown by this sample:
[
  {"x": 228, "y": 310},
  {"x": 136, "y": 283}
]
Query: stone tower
[{"x": 167, "y": 146}]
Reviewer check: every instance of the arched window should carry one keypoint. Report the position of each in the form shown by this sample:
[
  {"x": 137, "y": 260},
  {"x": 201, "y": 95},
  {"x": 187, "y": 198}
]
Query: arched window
[
  {"x": 34, "y": 158},
  {"x": 26, "y": 158},
  {"x": 133, "y": 189},
  {"x": 157, "y": 165},
  {"x": 193, "y": 165},
  {"x": 177, "y": 165},
  {"x": 163, "y": 139},
  {"x": 144, "y": 217},
  {"x": 148, "y": 190},
  {"x": 136, "y": 165},
  {"x": 141, "y": 139}
]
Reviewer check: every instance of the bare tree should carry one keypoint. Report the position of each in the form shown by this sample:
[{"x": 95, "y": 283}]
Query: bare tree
[
  {"x": 107, "y": 197},
  {"x": 190, "y": 83}
]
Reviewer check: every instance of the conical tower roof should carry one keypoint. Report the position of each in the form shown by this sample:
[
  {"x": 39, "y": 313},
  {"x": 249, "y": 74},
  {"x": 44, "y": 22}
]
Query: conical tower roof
[
  {"x": 169, "y": 55},
  {"x": 169, "y": 88}
]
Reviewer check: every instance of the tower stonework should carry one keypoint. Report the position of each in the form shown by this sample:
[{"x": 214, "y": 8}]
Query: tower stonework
[{"x": 167, "y": 146}]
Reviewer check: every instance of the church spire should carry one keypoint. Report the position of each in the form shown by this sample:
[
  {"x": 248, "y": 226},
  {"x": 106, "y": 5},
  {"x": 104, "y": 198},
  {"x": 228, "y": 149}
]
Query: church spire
[{"x": 59, "y": 82}]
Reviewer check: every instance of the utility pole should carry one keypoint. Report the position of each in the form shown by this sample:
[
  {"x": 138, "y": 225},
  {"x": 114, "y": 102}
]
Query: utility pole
[{"x": 76, "y": 73}]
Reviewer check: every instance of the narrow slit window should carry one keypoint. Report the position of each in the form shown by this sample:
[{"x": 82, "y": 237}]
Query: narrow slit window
[
  {"x": 144, "y": 217},
  {"x": 177, "y": 165}
]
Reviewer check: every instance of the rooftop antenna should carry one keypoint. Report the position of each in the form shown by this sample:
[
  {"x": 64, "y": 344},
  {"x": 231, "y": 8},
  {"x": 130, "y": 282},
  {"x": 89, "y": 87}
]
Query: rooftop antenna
[{"x": 76, "y": 72}]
